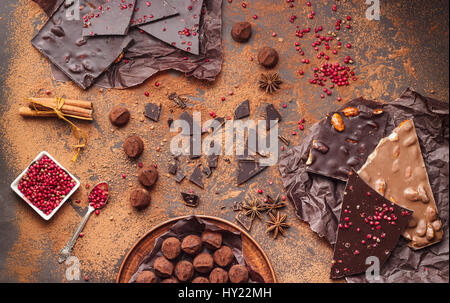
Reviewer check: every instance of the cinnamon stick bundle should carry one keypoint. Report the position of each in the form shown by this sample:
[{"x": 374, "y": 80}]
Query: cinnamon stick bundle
[{"x": 44, "y": 107}]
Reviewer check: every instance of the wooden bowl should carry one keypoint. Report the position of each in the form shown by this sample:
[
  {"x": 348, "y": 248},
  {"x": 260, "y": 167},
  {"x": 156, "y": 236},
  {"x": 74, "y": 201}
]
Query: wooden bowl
[{"x": 253, "y": 254}]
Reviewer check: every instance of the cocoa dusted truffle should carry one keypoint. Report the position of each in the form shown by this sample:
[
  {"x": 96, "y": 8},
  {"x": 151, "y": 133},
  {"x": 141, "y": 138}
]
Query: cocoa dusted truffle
[
  {"x": 241, "y": 31},
  {"x": 268, "y": 57},
  {"x": 212, "y": 240},
  {"x": 170, "y": 280},
  {"x": 238, "y": 274},
  {"x": 200, "y": 279},
  {"x": 218, "y": 275},
  {"x": 223, "y": 256},
  {"x": 148, "y": 176},
  {"x": 171, "y": 248},
  {"x": 184, "y": 271},
  {"x": 140, "y": 198},
  {"x": 119, "y": 115},
  {"x": 133, "y": 146},
  {"x": 146, "y": 277},
  {"x": 163, "y": 267},
  {"x": 203, "y": 263},
  {"x": 191, "y": 244}
]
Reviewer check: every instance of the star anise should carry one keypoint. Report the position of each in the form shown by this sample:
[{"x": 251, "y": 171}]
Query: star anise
[
  {"x": 277, "y": 224},
  {"x": 253, "y": 209},
  {"x": 269, "y": 82},
  {"x": 272, "y": 204}
]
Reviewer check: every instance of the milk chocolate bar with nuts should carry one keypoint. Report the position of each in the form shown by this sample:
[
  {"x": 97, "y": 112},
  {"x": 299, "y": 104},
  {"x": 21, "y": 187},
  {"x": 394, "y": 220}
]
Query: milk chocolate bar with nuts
[{"x": 396, "y": 170}]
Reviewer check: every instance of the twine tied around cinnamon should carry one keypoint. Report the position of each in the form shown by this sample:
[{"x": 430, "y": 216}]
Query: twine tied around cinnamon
[{"x": 78, "y": 133}]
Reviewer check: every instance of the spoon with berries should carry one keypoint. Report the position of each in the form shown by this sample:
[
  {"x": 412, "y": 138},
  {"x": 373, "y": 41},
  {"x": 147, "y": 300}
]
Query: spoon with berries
[{"x": 97, "y": 199}]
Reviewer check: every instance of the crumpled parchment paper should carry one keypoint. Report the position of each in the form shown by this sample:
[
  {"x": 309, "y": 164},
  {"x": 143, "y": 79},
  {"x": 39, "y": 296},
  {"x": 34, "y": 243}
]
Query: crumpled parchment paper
[{"x": 317, "y": 199}]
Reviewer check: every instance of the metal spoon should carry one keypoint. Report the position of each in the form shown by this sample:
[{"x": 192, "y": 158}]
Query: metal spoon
[{"x": 65, "y": 252}]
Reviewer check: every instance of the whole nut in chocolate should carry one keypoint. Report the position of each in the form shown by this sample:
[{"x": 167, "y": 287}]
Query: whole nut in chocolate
[
  {"x": 148, "y": 176},
  {"x": 140, "y": 198},
  {"x": 337, "y": 122},
  {"x": 241, "y": 31},
  {"x": 133, "y": 146},
  {"x": 119, "y": 115},
  {"x": 268, "y": 57}
]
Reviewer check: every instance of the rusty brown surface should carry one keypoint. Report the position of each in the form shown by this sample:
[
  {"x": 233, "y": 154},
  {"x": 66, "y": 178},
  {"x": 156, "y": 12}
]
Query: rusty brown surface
[{"x": 407, "y": 47}]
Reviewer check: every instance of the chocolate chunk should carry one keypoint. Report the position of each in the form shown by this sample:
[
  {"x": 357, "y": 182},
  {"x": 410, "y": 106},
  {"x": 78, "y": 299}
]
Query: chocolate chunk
[
  {"x": 169, "y": 122},
  {"x": 203, "y": 263},
  {"x": 152, "y": 111},
  {"x": 173, "y": 167},
  {"x": 241, "y": 31},
  {"x": 238, "y": 274},
  {"x": 268, "y": 57},
  {"x": 171, "y": 248},
  {"x": 369, "y": 226},
  {"x": 194, "y": 128},
  {"x": 190, "y": 199},
  {"x": 140, "y": 198},
  {"x": 243, "y": 110},
  {"x": 146, "y": 276},
  {"x": 207, "y": 171},
  {"x": 218, "y": 275},
  {"x": 180, "y": 31},
  {"x": 247, "y": 170},
  {"x": 196, "y": 177},
  {"x": 163, "y": 267},
  {"x": 180, "y": 175},
  {"x": 237, "y": 206},
  {"x": 151, "y": 11},
  {"x": 347, "y": 141},
  {"x": 211, "y": 239},
  {"x": 184, "y": 270},
  {"x": 48, "y": 5},
  {"x": 191, "y": 244},
  {"x": 119, "y": 115},
  {"x": 108, "y": 18},
  {"x": 223, "y": 256},
  {"x": 272, "y": 116},
  {"x": 148, "y": 176},
  {"x": 133, "y": 146},
  {"x": 396, "y": 170},
  {"x": 82, "y": 60},
  {"x": 212, "y": 161},
  {"x": 245, "y": 221}
]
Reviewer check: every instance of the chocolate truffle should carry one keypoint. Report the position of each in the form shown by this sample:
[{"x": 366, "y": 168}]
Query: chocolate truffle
[
  {"x": 119, "y": 115},
  {"x": 146, "y": 277},
  {"x": 268, "y": 57},
  {"x": 163, "y": 267},
  {"x": 170, "y": 280},
  {"x": 200, "y": 279},
  {"x": 203, "y": 263},
  {"x": 140, "y": 198},
  {"x": 184, "y": 271},
  {"x": 133, "y": 146},
  {"x": 211, "y": 239},
  {"x": 223, "y": 256},
  {"x": 238, "y": 274},
  {"x": 241, "y": 31},
  {"x": 191, "y": 244},
  {"x": 171, "y": 248},
  {"x": 218, "y": 275},
  {"x": 148, "y": 176}
]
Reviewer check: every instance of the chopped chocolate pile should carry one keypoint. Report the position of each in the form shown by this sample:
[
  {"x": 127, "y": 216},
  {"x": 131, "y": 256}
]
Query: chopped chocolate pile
[
  {"x": 369, "y": 226},
  {"x": 347, "y": 138}
]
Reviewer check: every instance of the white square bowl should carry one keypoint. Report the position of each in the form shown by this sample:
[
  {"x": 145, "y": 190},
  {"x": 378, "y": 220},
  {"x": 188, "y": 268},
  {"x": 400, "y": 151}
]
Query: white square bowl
[{"x": 15, "y": 184}]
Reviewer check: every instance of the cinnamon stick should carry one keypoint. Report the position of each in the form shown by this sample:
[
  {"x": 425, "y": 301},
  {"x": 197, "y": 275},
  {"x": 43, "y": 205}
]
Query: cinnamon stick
[
  {"x": 66, "y": 109},
  {"x": 28, "y": 112},
  {"x": 52, "y": 102}
]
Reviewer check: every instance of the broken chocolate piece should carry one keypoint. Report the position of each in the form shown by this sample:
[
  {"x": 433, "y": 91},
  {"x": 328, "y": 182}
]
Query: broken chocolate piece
[
  {"x": 193, "y": 127},
  {"x": 237, "y": 206},
  {"x": 152, "y": 111},
  {"x": 61, "y": 37},
  {"x": 349, "y": 146},
  {"x": 243, "y": 110},
  {"x": 173, "y": 167},
  {"x": 247, "y": 170},
  {"x": 180, "y": 175},
  {"x": 245, "y": 221},
  {"x": 110, "y": 17},
  {"x": 396, "y": 170},
  {"x": 179, "y": 101},
  {"x": 180, "y": 31},
  {"x": 212, "y": 161},
  {"x": 151, "y": 11},
  {"x": 190, "y": 200},
  {"x": 369, "y": 226},
  {"x": 272, "y": 116},
  {"x": 207, "y": 171},
  {"x": 196, "y": 177}
]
